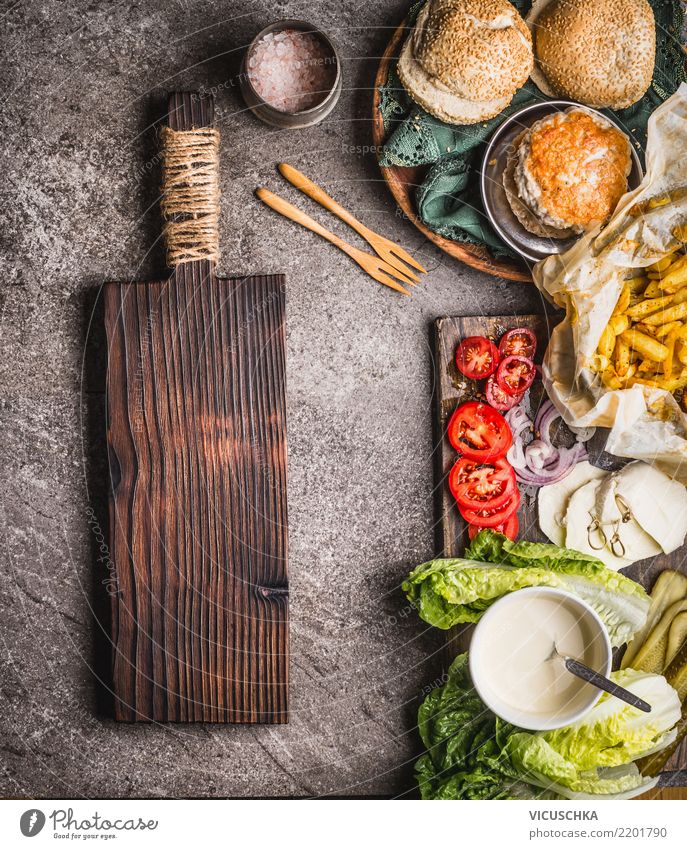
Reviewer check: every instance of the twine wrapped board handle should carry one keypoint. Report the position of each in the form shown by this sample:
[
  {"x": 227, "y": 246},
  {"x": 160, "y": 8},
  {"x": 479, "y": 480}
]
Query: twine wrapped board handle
[{"x": 190, "y": 180}]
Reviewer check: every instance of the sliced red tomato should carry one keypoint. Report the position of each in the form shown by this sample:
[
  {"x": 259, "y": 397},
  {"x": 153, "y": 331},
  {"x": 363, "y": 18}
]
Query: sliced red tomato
[
  {"x": 498, "y": 399},
  {"x": 478, "y": 432},
  {"x": 486, "y": 518},
  {"x": 477, "y": 485},
  {"x": 509, "y": 528},
  {"x": 477, "y": 357},
  {"x": 520, "y": 342},
  {"x": 515, "y": 374}
]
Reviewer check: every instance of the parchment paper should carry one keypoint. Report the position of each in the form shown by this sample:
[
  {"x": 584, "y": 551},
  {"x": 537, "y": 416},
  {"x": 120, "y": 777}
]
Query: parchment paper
[{"x": 586, "y": 281}]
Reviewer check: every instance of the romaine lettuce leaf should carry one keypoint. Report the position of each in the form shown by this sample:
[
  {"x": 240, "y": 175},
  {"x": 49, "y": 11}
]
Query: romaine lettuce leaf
[
  {"x": 613, "y": 732},
  {"x": 447, "y": 592},
  {"x": 463, "y": 759},
  {"x": 472, "y": 754}
]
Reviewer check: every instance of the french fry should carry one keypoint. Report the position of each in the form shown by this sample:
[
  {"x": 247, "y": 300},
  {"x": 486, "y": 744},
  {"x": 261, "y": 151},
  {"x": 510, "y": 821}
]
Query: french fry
[
  {"x": 674, "y": 282},
  {"x": 672, "y": 384},
  {"x": 665, "y": 329},
  {"x": 662, "y": 264},
  {"x": 623, "y": 300},
  {"x": 647, "y": 367},
  {"x": 598, "y": 363},
  {"x": 621, "y": 355},
  {"x": 653, "y": 290},
  {"x": 607, "y": 342},
  {"x": 610, "y": 379},
  {"x": 667, "y": 364},
  {"x": 676, "y": 276},
  {"x": 645, "y": 340},
  {"x": 674, "y": 313},
  {"x": 647, "y": 307},
  {"x": 648, "y": 347},
  {"x": 619, "y": 323}
]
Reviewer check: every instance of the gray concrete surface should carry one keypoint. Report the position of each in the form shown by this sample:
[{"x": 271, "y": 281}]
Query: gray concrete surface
[{"x": 81, "y": 84}]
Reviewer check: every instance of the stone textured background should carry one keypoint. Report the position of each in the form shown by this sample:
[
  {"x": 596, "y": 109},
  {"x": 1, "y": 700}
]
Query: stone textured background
[{"x": 83, "y": 83}]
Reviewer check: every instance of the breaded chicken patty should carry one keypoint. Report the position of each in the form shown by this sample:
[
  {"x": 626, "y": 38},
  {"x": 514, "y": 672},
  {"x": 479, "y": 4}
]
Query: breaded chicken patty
[{"x": 572, "y": 169}]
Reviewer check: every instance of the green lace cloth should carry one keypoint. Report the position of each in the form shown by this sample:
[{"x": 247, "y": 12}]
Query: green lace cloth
[{"x": 448, "y": 200}]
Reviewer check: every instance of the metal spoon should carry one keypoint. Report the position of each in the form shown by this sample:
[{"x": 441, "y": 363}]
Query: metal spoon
[{"x": 586, "y": 674}]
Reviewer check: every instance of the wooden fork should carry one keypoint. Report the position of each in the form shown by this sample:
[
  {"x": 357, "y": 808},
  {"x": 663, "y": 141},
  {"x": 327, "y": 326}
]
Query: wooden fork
[
  {"x": 384, "y": 248},
  {"x": 381, "y": 271}
]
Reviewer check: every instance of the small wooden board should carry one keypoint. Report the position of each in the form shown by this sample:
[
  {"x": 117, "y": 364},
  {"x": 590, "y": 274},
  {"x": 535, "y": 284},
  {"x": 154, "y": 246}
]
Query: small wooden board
[
  {"x": 196, "y": 417},
  {"x": 452, "y": 389}
]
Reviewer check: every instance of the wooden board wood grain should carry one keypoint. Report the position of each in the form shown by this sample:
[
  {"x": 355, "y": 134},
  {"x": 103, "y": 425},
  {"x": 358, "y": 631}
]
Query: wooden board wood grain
[
  {"x": 197, "y": 444},
  {"x": 196, "y": 429},
  {"x": 453, "y": 389}
]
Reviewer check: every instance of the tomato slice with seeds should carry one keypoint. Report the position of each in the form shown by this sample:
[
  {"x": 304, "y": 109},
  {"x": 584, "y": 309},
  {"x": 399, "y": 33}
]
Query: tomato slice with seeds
[
  {"x": 486, "y": 518},
  {"x": 520, "y": 342},
  {"x": 498, "y": 399},
  {"x": 477, "y": 357},
  {"x": 478, "y": 486},
  {"x": 516, "y": 374},
  {"x": 478, "y": 432},
  {"x": 510, "y": 528}
]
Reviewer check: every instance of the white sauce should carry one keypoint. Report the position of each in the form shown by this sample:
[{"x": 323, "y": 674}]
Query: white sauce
[{"x": 516, "y": 655}]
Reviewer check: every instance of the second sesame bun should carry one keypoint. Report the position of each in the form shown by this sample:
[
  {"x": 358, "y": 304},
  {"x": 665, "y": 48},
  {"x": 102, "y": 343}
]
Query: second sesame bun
[{"x": 599, "y": 54}]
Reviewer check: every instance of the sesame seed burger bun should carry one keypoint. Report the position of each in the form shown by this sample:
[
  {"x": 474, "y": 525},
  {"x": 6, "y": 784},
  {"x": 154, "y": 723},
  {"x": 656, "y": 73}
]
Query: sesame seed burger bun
[
  {"x": 465, "y": 59},
  {"x": 600, "y": 54},
  {"x": 436, "y": 99}
]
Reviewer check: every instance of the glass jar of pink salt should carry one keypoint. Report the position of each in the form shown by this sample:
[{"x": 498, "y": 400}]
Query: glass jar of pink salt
[{"x": 291, "y": 75}]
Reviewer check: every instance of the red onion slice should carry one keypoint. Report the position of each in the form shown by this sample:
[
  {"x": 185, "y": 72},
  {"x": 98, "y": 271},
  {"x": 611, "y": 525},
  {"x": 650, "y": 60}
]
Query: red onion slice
[{"x": 538, "y": 462}]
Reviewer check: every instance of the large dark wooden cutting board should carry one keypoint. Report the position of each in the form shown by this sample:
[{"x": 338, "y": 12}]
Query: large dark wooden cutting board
[
  {"x": 453, "y": 389},
  {"x": 196, "y": 434},
  {"x": 198, "y": 527}
]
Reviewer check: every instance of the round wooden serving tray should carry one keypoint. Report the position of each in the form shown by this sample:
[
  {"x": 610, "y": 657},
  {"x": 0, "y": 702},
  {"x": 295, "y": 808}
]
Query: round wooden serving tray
[{"x": 404, "y": 181}]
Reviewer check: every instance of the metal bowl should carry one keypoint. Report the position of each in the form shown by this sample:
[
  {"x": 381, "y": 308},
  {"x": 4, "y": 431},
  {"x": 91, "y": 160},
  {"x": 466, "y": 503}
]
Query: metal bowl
[
  {"x": 291, "y": 120},
  {"x": 501, "y": 216}
]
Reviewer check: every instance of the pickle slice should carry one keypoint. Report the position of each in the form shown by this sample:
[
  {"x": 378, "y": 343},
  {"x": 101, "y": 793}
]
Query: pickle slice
[
  {"x": 676, "y": 636},
  {"x": 668, "y": 588},
  {"x": 676, "y": 675},
  {"x": 651, "y": 657}
]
